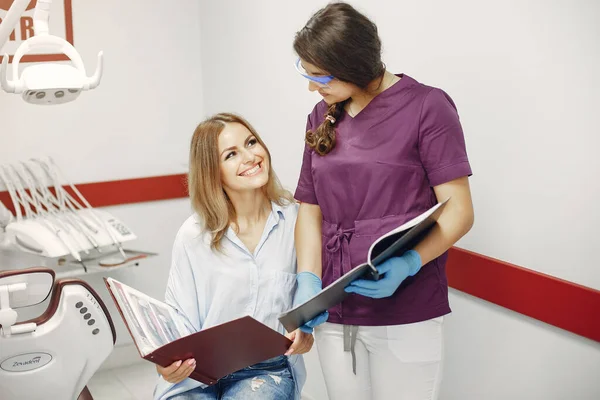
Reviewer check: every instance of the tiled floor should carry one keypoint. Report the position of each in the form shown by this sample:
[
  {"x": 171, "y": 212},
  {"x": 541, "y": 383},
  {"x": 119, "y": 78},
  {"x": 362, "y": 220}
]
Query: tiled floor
[{"x": 134, "y": 382}]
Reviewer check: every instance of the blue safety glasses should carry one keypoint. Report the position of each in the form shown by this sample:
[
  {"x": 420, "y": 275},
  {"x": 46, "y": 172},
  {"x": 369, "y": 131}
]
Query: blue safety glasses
[{"x": 320, "y": 80}]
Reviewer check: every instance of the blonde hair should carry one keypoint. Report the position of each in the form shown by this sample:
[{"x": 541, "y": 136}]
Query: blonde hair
[{"x": 207, "y": 195}]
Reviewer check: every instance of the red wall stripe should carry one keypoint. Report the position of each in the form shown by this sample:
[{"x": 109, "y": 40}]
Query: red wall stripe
[
  {"x": 555, "y": 301},
  {"x": 126, "y": 191}
]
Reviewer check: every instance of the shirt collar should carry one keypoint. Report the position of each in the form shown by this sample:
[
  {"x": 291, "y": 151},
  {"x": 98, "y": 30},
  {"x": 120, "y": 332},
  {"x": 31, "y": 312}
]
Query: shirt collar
[{"x": 277, "y": 211}]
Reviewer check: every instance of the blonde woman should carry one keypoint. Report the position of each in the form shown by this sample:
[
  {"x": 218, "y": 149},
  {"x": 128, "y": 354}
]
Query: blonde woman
[{"x": 233, "y": 257}]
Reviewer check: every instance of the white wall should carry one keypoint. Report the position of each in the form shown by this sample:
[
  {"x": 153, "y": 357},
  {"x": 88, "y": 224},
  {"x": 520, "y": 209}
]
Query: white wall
[
  {"x": 137, "y": 123},
  {"x": 524, "y": 77}
]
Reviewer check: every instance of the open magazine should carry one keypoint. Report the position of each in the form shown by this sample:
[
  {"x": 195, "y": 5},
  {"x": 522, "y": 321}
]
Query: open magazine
[
  {"x": 393, "y": 243},
  {"x": 164, "y": 336}
]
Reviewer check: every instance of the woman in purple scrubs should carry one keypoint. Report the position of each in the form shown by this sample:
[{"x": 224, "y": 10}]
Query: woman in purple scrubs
[{"x": 381, "y": 148}]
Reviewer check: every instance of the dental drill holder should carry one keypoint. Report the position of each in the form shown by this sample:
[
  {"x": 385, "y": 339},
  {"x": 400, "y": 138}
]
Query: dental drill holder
[
  {"x": 60, "y": 226},
  {"x": 34, "y": 235}
]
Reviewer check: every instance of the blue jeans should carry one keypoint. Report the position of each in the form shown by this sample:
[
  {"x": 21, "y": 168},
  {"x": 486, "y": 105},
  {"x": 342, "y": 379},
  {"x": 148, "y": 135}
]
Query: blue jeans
[{"x": 268, "y": 380}]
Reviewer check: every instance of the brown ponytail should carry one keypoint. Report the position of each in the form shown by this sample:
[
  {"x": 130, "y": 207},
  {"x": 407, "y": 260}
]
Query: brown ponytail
[{"x": 322, "y": 139}]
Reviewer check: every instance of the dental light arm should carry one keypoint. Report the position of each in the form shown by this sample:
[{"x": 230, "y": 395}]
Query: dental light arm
[
  {"x": 44, "y": 83},
  {"x": 41, "y": 16},
  {"x": 12, "y": 18}
]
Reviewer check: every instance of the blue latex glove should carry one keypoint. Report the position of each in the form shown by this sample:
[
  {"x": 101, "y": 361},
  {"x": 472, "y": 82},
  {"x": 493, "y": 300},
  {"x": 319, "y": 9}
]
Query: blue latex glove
[
  {"x": 309, "y": 285},
  {"x": 394, "y": 270}
]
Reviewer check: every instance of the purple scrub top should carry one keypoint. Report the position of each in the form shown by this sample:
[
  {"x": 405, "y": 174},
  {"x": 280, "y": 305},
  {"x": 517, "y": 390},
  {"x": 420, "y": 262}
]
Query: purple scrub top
[{"x": 380, "y": 174}]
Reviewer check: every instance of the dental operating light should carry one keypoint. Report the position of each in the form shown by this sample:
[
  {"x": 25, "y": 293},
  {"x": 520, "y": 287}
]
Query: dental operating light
[{"x": 45, "y": 83}]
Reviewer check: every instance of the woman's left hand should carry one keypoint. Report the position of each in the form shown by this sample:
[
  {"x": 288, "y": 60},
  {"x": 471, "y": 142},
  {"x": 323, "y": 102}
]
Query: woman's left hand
[
  {"x": 394, "y": 271},
  {"x": 303, "y": 342}
]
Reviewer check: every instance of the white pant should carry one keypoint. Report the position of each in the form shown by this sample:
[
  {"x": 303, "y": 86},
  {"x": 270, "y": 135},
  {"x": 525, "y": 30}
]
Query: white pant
[{"x": 401, "y": 362}]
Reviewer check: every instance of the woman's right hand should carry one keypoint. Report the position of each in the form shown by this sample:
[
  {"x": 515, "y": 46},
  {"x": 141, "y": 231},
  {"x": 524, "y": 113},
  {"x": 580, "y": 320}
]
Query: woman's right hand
[
  {"x": 302, "y": 342},
  {"x": 177, "y": 371}
]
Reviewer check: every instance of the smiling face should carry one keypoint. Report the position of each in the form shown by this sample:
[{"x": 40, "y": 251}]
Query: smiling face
[{"x": 243, "y": 161}]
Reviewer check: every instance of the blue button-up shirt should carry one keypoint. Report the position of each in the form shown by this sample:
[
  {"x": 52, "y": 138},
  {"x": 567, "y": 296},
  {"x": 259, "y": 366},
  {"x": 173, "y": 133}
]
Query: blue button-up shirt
[{"x": 210, "y": 288}]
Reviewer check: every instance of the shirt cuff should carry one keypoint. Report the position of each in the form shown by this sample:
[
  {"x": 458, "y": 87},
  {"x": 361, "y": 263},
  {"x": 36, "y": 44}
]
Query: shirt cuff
[
  {"x": 305, "y": 196},
  {"x": 450, "y": 173}
]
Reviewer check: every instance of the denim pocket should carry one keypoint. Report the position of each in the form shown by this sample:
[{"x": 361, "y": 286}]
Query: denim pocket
[{"x": 272, "y": 364}]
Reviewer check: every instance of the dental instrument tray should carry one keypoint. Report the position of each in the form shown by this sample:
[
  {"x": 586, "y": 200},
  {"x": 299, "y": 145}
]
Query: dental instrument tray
[
  {"x": 163, "y": 336},
  {"x": 68, "y": 267},
  {"x": 53, "y": 219}
]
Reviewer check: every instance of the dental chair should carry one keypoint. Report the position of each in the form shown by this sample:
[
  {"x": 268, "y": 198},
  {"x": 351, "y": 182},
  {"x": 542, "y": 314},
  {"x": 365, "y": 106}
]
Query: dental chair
[{"x": 53, "y": 356}]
